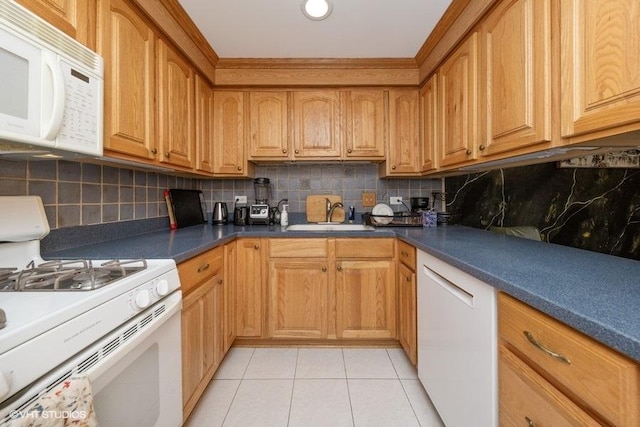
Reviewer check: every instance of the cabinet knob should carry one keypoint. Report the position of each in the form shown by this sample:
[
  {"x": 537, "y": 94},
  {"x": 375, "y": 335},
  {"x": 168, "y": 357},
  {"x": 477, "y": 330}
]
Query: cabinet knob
[
  {"x": 297, "y": 151},
  {"x": 284, "y": 151},
  {"x": 393, "y": 167},
  {"x": 219, "y": 281},
  {"x": 239, "y": 168},
  {"x": 408, "y": 279},
  {"x": 482, "y": 147},
  {"x": 349, "y": 150},
  {"x": 324, "y": 269},
  {"x": 468, "y": 152},
  {"x": 339, "y": 268},
  {"x": 167, "y": 155},
  {"x": 256, "y": 247},
  {"x": 154, "y": 151}
]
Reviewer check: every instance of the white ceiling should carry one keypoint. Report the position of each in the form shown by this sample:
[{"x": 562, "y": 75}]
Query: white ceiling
[{"x": 278, "y": 29}]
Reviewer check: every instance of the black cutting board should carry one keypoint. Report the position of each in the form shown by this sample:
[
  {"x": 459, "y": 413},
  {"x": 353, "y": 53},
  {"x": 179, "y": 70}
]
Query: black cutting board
[{"x": 188, "y": 207}]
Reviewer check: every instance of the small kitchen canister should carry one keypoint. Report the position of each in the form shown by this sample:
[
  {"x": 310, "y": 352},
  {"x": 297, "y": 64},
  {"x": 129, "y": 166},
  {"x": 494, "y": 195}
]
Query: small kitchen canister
[{"x": 430, "y": 218}]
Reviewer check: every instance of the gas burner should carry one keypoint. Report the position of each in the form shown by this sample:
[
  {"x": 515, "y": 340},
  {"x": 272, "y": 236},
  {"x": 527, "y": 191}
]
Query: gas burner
[{"x": 70, "y": 275}]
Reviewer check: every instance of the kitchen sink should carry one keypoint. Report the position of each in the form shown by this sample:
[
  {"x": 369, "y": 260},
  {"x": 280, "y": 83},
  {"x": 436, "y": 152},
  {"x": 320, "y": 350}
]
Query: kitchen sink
[{"x": 330, "y": 227}]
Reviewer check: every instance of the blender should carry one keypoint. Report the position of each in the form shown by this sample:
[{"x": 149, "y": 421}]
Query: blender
[{"x": 259, "y": 212}]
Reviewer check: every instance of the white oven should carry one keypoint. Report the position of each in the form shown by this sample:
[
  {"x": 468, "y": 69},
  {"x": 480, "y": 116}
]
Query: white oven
[
  {"x": 134, "y": 372},
  {"x": 111, "y": 326}
]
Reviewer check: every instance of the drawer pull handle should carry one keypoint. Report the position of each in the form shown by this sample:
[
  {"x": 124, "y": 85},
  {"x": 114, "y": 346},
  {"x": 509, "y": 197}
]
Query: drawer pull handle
[
  {"x": 551, "y": 353},
  {"x": 203, "y": 268},
  {"x": 529, "y": 422}
]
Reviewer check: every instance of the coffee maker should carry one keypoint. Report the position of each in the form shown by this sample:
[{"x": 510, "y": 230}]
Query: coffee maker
[{"x": 259, "y": 211}]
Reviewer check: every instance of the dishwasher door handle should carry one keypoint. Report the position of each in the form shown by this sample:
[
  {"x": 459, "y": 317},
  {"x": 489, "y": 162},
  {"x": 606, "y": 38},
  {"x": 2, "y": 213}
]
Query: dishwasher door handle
[{"x": 455, "y": 290}]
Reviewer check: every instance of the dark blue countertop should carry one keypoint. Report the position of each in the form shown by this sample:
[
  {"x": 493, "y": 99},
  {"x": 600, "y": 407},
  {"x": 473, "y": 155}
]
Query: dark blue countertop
[{"x": 594, "y": 293}]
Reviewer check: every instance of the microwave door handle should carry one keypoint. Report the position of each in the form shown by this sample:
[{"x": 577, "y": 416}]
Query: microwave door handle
[{"x": 52, "y": 125}]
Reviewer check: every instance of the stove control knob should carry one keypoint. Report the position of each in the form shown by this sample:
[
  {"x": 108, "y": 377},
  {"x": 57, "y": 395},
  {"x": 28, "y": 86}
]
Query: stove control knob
[
  {"x": 162, "y": 287},
  {"x": 143, "y": 299},
  {"x": 5, "y": 384}
]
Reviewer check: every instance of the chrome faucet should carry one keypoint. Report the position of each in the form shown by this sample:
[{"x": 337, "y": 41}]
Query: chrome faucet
[{"x": 331, "y": 208}]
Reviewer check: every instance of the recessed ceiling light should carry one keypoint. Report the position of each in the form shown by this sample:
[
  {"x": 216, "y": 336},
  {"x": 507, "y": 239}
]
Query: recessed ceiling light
[{"x": 316, "y": 9}]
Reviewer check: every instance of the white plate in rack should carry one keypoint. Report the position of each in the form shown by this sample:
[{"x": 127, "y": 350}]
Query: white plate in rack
[{"x": 382, "y": 209}]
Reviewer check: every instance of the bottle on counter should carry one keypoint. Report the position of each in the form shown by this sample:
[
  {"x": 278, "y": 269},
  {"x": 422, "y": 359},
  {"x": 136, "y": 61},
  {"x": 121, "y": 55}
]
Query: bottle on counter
[
  {"x": 284, "y": 216},
  {"x": 352, "y": 214}
]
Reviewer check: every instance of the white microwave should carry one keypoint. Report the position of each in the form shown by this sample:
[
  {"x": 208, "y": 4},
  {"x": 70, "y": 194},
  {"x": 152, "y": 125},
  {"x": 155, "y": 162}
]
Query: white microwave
[{"x": 51, "y": 88}]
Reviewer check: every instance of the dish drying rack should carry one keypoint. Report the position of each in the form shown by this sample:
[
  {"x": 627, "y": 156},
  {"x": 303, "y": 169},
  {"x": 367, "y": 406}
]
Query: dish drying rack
[{"x": 398, "y": 219}]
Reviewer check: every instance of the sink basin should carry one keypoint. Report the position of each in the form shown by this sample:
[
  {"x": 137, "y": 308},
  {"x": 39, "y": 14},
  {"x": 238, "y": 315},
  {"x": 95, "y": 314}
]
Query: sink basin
[{"x": 330, "y": 227}]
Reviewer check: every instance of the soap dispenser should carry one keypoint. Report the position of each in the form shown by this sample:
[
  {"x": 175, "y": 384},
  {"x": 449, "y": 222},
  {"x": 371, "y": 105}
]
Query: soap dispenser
[{"x": 284, "y": 216}]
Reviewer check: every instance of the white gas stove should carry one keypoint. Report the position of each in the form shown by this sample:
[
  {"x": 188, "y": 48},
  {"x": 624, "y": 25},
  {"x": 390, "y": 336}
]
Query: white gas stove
[{"x": 55, "y": 309}]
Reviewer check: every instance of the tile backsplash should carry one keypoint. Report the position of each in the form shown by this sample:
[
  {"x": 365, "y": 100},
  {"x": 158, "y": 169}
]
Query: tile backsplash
[{"x": 78, "y": 193}]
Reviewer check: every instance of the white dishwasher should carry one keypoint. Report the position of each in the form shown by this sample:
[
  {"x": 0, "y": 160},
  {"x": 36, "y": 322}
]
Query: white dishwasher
[{"x": 457, "y": 343}]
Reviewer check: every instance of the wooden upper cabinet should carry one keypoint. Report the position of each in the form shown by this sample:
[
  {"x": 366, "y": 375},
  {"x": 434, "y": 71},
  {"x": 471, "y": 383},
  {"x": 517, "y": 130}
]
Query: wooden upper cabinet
[
  {"x": 176, "y": 116},
  {"x": 268, "y": 115},
  {"x": 600, "y": 78},
  {"x": 429, "y": 124},
  {"x": 229, "y": 156},
  {"x": 316, "y": 124},
  {"x": 204, "y": 125},
  {"x": 127, "y": 44},
  {"x": 458, "y": 100},
  {"x": 76, "y": 18},
  {"x": 404, "y": 146},
  {"x": 515, "y": 82},
  {"x": 365, "y": 117}
]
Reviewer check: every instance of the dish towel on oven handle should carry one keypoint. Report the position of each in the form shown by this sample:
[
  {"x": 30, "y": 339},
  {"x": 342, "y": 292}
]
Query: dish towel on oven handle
[{"x": 70, "y": 403}]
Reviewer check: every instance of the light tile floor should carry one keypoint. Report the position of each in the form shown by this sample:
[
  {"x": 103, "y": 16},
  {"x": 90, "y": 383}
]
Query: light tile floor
[{"x": 314, "y": 387}]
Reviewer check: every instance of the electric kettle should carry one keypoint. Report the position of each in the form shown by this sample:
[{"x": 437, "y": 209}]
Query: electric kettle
[{"x": 220, "y": 214}]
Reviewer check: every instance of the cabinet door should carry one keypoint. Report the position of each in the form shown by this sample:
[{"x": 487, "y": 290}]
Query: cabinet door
[
  {"x": 269, "y": 125},
  {"x": 230, "y": 260},
  {"x": 127, "y": 44},
  {"x": 229, "y": 133},
  {"x": 76, "y": 18},
  {"x": 198, "y": 310},
  {"x": 407, "y": 316},
  {"x": 365, "y": 135},
  {"x": 404, "y": 148},
  {"x": 175, "y": 107},
  {"x": 429, "y": 124},
  {"x": 316, "y": 124},
  {"x": 204, "y": 125},
  {"x": 249, "y": 288},
  {"x": 527, "y": 399},
  {"x": 516, "y": 77},
  {"x": 457, "y": 92},
  {"x": 365, "y": 299},
  {"x": 298, "y": 298},
  {"x": 600, "y": 86}
]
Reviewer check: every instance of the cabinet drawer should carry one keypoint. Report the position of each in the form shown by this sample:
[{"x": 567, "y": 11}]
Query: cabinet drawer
[
  {"x": 198, "y": 268},
  {"x": 364, "y": 248},
  {"x": 593, "y": 375},
  {"x": 298, "y": 248},
  {"x": 407, "y": 254},
  {"x": 526, "y": 398}
]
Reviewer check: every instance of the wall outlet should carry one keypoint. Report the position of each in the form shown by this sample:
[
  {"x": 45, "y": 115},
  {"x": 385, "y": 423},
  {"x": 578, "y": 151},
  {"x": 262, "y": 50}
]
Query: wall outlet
[
  {"x": 368, "y": 200},
  {"x": 240, "y": 199},
  {"x": 395, "y": 200}
]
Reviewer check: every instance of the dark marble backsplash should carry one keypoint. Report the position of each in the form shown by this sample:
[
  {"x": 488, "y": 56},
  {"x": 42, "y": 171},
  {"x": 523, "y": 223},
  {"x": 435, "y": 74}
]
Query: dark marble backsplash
[{"x": 595, "y": 209}]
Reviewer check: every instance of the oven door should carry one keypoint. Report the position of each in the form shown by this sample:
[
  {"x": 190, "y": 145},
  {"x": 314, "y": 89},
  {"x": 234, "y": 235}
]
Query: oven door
[{"x": 135, "y": 372}]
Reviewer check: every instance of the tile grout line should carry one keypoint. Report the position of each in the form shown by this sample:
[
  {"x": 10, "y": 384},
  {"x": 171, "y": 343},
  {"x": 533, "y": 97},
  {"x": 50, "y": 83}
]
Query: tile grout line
[
  {"x": 293, "y": 385},
  {"x": 346, "y": 378},
  {"x": 238, "y": 388}
]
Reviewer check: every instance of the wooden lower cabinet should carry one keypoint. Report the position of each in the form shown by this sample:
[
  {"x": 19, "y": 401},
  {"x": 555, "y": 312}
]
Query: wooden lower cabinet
[
  {"x": 230, "y": 259},
  {"x": 407, "y": 312},
  {"x": 365, "y": 298},
  {"x": 202, "y": 325},
  {"x": 298, "y": 292},
  {"x": 565, "y": 373},
  {"x": 250, "y": 286}
]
